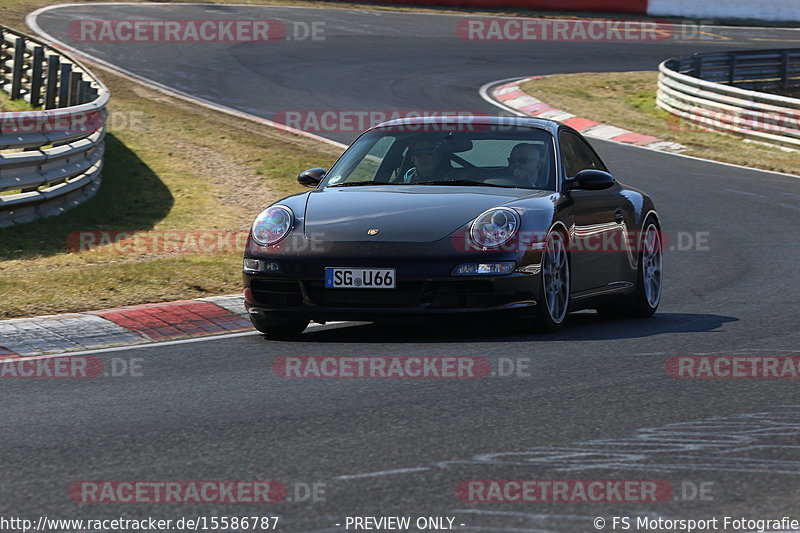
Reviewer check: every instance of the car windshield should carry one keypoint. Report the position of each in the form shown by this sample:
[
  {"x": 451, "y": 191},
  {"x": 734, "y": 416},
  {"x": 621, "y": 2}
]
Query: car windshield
[{"x": 517, "y": 157}]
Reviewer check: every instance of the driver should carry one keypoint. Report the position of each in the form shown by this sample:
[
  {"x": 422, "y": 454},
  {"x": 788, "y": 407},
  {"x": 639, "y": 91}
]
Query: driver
[
  {"x": 525, "y": 163},
  {"x": 430, "y": 163}
]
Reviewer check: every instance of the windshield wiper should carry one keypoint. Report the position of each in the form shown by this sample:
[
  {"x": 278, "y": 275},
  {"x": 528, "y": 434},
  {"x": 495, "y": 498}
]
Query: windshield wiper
[{"x": 464, "y": 182}]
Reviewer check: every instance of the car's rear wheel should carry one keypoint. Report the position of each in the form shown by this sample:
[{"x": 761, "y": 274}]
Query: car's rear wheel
[
  {"x": 555, "y": 284},
  {"x": 279, "y": 327},
  {"x": 649, "y": 278}
]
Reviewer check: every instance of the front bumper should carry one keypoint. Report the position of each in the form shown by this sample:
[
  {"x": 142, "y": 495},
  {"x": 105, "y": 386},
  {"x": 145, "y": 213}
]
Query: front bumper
[
  {"x": 428, "y": 296},
  {"x": 425, "y": 285}
]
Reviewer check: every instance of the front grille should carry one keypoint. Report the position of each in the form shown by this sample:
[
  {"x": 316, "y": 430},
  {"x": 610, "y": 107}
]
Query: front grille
[
  {"x": 405, "y": 295},
  {"x": 436, "y": 295},
  {"x": 458, "y": 294},
  {"x": 281, "y": 293}
]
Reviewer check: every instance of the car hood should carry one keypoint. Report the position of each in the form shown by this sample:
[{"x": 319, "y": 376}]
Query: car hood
[{"x": 402, "y": 213}]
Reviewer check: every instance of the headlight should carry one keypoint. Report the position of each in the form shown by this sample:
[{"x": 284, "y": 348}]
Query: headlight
[
  {"x": 494, "y": 227},
  {"x": 272, "y": 225}
]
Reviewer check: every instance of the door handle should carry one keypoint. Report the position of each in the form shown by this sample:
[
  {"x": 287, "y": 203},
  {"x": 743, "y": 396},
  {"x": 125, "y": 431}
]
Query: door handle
[{"x": 618, "y": 218}]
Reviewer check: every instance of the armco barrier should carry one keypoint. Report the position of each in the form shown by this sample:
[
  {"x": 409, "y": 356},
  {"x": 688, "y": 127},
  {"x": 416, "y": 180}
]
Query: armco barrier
[
  {"x": 715, "y": 91},
  {"x": 51, "y": 158}
]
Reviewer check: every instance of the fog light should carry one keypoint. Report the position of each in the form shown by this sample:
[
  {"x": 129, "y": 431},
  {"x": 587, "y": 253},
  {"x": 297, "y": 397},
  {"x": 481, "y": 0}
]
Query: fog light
[
  {"x": 252, "y": 265},
  {"x": 270, "y": 266},
  {"x": 260, "y": 265},
  {"x": 481, "y": 269}
]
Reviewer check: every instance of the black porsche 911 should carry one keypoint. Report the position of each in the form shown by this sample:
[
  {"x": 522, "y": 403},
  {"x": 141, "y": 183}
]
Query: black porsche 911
[{"x": 455, "y": 217}]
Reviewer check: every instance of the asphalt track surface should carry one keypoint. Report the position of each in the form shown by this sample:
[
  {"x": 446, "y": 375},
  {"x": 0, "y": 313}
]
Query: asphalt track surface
[{"x": 597, "y": 404}]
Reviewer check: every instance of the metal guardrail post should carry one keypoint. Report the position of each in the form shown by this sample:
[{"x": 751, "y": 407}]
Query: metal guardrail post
[
  {"x": 83, "y": 92},
  {"x": 16, "y": 70},
  {"x": 698, "y": 67},
  {"x": 785, "y": 69},
  {"x": 37, "y": 75},
  {"x": 63, "y": 85},
  {"x": 75, "y": 79},
  {"x": 51, "y": 81}
]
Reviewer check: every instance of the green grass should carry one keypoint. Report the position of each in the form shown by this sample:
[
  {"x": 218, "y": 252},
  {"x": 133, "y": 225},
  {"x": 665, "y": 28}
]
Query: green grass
[
  {"x": 132, "y": 198},
  {"x": 7, "y": 104}
]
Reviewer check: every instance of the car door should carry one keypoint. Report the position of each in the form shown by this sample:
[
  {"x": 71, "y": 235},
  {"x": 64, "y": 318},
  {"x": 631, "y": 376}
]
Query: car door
[{"x": 595, "y": 218}]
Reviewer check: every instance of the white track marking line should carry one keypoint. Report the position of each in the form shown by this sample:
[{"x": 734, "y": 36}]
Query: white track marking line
[
  {"x": 134, "y": 346},
  {"x": 385, "y": 473},
  {"x": 748, "y": 193},
  {"x": 157, "y": 344},
  {"x": 484, "y": 93}
]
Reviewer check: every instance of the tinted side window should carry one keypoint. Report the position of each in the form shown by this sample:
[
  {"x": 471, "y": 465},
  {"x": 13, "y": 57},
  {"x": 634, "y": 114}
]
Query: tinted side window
[{"x": 577, "y": 154}]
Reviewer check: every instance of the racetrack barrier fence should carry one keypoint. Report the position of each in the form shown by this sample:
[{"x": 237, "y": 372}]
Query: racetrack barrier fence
[
  {"x": 723, "y": 91},
  {"x": 51, "y": 157}
]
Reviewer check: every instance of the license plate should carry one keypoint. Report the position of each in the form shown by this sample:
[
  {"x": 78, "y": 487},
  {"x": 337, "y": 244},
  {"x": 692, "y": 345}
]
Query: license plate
[{"x": 360, "y": 278}]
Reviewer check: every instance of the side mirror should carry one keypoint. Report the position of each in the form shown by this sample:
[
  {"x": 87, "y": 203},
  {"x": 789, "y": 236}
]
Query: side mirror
[
  {"x": 311, "y": 177},
  {"x": 592, "y": 180}
]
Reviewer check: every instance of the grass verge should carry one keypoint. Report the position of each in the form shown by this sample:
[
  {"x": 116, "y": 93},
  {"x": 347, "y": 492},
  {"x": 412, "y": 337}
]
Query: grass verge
[
  {"x": 628, "y": 100},
  {"x": 7, "y": 104},
  {"x": 170, "y": 166}
]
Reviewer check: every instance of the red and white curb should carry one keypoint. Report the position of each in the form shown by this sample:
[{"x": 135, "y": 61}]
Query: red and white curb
[
  {"x": 511, "y": 96},
  {"x": 121, "y": 326}
]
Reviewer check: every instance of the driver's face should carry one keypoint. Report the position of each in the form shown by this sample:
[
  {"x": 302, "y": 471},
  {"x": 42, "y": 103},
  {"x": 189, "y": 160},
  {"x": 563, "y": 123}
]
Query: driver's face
[
  {"x": 426, "y": 158},
  {"x": 525, "y": 162}
]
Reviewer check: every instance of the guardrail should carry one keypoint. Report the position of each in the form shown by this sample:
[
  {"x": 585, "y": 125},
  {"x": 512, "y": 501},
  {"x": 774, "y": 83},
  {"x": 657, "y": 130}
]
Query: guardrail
[
  {"x": 718, "y": 91},
  {"x": 51, "y": 158}
]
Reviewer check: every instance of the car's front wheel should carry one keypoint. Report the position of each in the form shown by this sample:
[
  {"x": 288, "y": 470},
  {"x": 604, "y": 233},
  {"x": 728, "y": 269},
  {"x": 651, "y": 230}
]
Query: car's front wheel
[
  {"x": 649, "y": 282},
  {"x": 555, "y": 284},
  {"x": 279, "y": 327}
]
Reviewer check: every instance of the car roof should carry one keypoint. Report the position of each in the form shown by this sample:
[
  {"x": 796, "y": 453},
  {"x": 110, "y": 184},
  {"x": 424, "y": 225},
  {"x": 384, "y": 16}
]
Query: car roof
[{"x": 478, "y": 120}]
